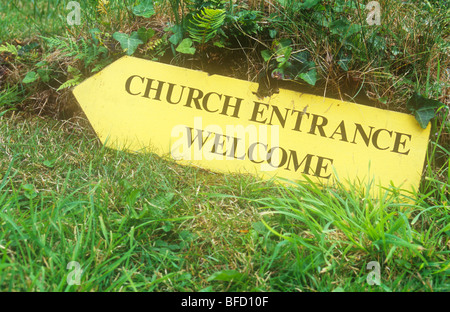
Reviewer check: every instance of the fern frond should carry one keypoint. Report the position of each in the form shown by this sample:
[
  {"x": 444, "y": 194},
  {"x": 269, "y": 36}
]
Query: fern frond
[
  {"x": 82, "y": 49},
  {"x": 70, "y": 83},
  {"x": 206, "y": 24},
  {"x": 68, "y": 47},
  {"x": 102, "y": 7},
  {"x": 9, "y": 48}
]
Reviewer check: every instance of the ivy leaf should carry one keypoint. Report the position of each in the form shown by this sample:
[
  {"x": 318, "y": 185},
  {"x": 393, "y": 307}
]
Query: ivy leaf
[
  {"x": 44, "y": 75},
  {"x": 177, "y": 34},
  {"x": 344, "y": 28},
  {"x": 145, "y": 34},
  {"x": 272, "y": 33},
  {"x": 301, "y": 61},
  {"x": 424, "y": 115},
  {"x": 144, "y": 9},
  {"x": 339, "y": 27},
  {"x": 186, "y": 46},
  {"x": 30, "y": 77},
  {"x": 128, "y": 43},
  {"x": 283, "y": 56},
  {"x": 266, "y": 55},
  {"x": 310, "y": 77},
  {"x": 423, "y": 109}
]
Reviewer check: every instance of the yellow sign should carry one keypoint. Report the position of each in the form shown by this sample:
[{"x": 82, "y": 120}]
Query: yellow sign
[{"x": 219, "y": 123}]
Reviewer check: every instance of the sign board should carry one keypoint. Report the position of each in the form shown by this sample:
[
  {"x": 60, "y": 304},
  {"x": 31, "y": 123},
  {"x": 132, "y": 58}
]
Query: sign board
[{"x": 218, "y": 123}]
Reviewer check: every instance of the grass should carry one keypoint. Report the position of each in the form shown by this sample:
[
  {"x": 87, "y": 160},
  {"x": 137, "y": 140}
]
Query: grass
[
  {"x": 142, "y": 223},
  {"x": 72, "y": 212},
  {"x": 344, "y": 227},
  {"x": 139, "y": 222}
]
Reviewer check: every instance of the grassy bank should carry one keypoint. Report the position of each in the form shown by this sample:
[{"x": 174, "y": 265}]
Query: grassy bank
[{"x": 139, "y": 222}]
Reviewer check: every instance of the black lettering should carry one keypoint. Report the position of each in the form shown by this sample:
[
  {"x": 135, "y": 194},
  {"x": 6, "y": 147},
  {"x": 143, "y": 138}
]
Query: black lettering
[
  {"x": 321, "y": 166},
  {"x": 375, "y": 138},
  {"x": 128, "y": 84},
  {"x": 283, "y": 157},
  {"x": 251, "y": 149},
  {"x": 306, "y": 160},
  {"x": 196, "y": 98},
  {"x": 170, "y": 91},
  {"x": 205, "y": 101},
  {"x": 226, "y": 104},
  {"x": 398, "y": 141},
  {"x": 198, "y": 138},
  {"x": 234, "y": 149},
  {"x": 298, "y": 121},
  {"x": 257, "y": 111},
  {"x": 158, "y": 90},
  {"x": 281, "y": 119},
  {"x": 342, "y": 132},
  {"x": 218, "y": 144},
  {"x": 363, "y": 134},
  {"x": 315, "y": 125}
]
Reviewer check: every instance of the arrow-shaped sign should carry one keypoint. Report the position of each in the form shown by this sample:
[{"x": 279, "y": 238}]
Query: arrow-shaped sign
[{"x": 219, "y": 123}]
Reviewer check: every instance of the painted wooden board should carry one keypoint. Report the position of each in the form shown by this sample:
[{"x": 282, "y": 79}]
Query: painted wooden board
[{"x": 218, "y": 123}]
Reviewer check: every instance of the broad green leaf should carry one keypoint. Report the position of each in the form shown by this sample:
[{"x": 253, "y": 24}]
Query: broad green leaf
[
  {"x": 186, "y": 47},
  {"x": 338, "y": 27},
  {"x": 352, "y": 29},
  {"x": 177, "y": 36},
  {"x": 129, "y": 43},
  {"x": 310, "y": 77},
  {"x": 283, "y": 56},
  {"x": 343, "y": 28},
  {"x": 30, "y": 77},
  {"x": 424, "y": 115},
  {"x": 144, "y": 9},
  {"x": 207, "y": 289},
  {"x": 145, "y": 34},
  {"x": 44, "y": 75},
  {"x": 283, "y": 43},
  {"x": 266, "y": 55},
  {"x": 291, "y": 5},
  {"x": 272, "y": 33},
  {"x": 167, "y": 227},
  {"x": 302, "y": 56},
  {"x": 423, "y": 109}
]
